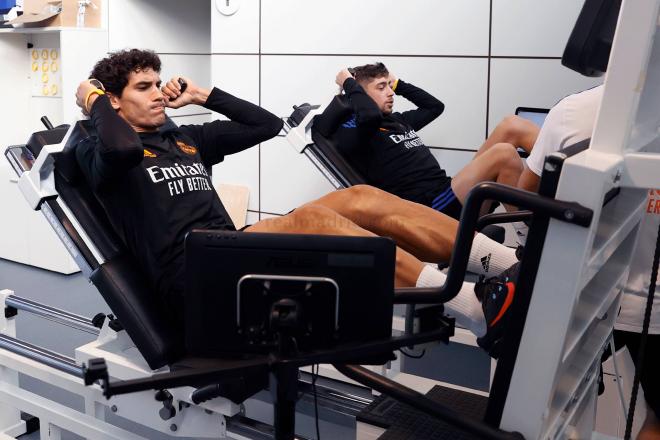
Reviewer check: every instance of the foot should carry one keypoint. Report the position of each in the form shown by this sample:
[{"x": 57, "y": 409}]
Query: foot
[{"x": 496, "y": 296}]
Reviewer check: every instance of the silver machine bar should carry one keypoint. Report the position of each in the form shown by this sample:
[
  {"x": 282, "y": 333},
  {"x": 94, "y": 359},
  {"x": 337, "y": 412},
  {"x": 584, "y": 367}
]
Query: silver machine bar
[
  {"x": 57, "y": 315},
  {"x": 41, "y": 355}
]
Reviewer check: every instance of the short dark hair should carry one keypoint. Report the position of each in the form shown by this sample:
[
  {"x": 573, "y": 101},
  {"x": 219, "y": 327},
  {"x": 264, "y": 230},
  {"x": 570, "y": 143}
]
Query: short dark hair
[
  {"x": 113, "y": 71},
  {"x": 368, "y": 72}
]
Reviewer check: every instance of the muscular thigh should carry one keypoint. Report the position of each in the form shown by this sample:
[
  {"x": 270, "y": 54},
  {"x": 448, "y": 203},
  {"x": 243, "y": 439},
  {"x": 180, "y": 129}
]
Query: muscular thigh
[
  {"x": 484, "y": 167},
  {"x": 309, "y": 219}
]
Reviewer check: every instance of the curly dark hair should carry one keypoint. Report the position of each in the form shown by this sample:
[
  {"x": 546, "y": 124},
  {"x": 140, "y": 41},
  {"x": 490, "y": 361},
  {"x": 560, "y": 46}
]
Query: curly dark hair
[
  {"x": 113, "y": 71},
  {"x": 368, "y": 72}
]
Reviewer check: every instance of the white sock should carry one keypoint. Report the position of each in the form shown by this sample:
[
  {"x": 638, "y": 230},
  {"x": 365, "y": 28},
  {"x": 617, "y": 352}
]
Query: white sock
[
  {"x": 465, "y": 306},
  {"x": 489, "y": 257},
  {"x": 521, "y": 232}
]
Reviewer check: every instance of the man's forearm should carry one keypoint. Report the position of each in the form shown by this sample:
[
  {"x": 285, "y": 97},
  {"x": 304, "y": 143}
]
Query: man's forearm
[
  {"x": 237, "y": 109},
  {"x": 120, "y": 145},
  {"x": 201, "y": 96},
  {"x": 421, "y": 98},
  {"x": 366, "y": 110}
]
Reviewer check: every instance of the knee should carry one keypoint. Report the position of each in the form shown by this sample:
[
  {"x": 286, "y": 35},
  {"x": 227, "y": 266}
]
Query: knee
[
  {"x": 506, "y": 155},
  {"x": 362, "y": 192},
  {"x": 362, "y": 198},
  {"x": 511, "y": 126}
]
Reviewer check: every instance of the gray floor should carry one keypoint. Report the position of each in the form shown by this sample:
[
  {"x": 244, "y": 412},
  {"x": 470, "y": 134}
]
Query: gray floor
[{"x": 456, "y": 364}]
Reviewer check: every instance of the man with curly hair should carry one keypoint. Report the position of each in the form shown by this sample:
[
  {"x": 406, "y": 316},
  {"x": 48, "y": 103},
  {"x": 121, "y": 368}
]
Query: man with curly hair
[{"x": 154, "y": 186}]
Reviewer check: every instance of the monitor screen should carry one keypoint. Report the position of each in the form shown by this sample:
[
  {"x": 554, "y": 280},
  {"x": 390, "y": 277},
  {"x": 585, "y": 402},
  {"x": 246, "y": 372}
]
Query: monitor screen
[
  {"x": 235, "y": 281},
  {"x": 536, "y": 115}
]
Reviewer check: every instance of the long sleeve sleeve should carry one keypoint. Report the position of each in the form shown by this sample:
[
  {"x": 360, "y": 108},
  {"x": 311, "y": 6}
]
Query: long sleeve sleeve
[
  {"x": 428, "y": 107},
  {"x": 367, "y": 113},
  {"x": 249, "y": 125},
  {"x": 116, "y": 149}
]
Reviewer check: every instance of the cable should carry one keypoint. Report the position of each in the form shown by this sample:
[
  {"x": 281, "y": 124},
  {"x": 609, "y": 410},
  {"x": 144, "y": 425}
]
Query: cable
[
  {"x": 618, "y": 378},
  {"x": 413, "y": 356},
  {"x": 315, "y": 375},
  {"x": 642, "y": 341}
]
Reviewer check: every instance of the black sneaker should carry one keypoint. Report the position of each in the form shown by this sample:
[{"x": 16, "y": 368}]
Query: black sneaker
[{"x": 496, "y": 296}]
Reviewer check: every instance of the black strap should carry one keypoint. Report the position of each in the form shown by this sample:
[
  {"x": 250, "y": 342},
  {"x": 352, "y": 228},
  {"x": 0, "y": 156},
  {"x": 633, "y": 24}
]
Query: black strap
[{"x": 642, "y": 342}]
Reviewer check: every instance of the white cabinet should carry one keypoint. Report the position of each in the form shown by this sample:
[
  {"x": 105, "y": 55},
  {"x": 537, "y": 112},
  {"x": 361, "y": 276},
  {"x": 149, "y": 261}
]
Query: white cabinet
[{"x": 25, "y": 235}]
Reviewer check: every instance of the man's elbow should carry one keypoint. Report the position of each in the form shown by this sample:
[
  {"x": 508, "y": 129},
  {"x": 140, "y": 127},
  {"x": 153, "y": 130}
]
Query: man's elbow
[
  {"x": 274, "y": 127},
  {"x": 438, "y": 109}
]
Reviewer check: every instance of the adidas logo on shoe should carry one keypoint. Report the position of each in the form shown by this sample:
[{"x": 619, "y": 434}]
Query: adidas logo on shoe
[{"x": 485, "y": 262}]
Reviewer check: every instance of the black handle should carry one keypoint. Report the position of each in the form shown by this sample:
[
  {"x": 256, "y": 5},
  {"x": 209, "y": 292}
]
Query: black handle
[
  {"x": 184, "y": 86},
  {"x": 47, "y": 123},
  {"x": 503, "y": 217}
]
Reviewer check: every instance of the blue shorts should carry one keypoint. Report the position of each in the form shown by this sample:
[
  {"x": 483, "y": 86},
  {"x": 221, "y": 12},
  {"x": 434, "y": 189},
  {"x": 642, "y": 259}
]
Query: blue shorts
[{"x": 447, "y": 203}]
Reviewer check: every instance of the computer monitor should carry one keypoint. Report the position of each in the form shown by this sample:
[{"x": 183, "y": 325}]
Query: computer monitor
[
  {"x": 344, "y": 286},
  {"x": 588, "y": 48},
  {"x": 536, "y": 115}
]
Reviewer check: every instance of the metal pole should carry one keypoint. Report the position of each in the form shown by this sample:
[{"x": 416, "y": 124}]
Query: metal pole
[
  {"x": 57, "y": 315},
  {"x": 41, "y": 355}
]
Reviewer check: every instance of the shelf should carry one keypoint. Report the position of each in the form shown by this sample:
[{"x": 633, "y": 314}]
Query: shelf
[{"x": 47, "y": 30}]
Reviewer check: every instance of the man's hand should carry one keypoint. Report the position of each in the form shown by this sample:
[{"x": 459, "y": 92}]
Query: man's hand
[
  {"x": 392, "y": 79},
  {"x": 175, "y": 98},
  {"x": 82, "y": 93},
  {"x": 342, "y": 76}
]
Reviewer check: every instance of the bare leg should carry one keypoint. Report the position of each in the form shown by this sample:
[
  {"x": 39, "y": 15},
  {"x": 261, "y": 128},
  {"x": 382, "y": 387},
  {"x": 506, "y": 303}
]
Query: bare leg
[
  {"x": 420, "y": 230},
  {"x": 311, "y": 219},
  {"x": 500, "y": 163},
  {"x": 513, "y": 130},
  {"x": 409, "y": 271}
]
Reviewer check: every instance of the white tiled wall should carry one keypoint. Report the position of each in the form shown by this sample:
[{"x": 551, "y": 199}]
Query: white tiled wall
[
  {"x": 421, "y": 27},
  {"x": 482, "y": 58},
  {"x": 530, "y": 83},
  {"x": 165, "y": 26},
  {"x": 538, "y": 28}
]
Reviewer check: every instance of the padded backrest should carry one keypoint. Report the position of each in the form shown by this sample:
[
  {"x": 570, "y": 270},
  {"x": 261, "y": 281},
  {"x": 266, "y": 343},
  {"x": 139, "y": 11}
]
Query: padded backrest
[
  {"x": 118, "y": 278},
  {"x": 324, "y": 147}
]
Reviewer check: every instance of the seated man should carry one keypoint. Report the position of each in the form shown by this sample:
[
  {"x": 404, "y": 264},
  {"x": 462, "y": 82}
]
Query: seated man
[
  {"x": 570, "y": 121},
  {"x": 155, "y": 188},
  {"x": 384, "y": 147}
]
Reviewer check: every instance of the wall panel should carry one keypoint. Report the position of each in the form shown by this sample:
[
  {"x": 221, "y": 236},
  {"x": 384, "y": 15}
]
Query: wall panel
[
  {"x": 531, "y": 83},
  {"x": 447, "y": 27}
]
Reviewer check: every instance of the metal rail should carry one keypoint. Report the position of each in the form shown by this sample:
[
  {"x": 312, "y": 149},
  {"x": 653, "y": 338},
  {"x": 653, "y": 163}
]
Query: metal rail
[
  {"x": 41, "y": 355},
  {"x": 51, "y": 313}
]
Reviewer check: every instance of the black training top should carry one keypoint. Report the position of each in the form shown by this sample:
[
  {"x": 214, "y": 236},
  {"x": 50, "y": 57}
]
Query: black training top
[
  {"x": 155, "y": 187},
  {"x": 386, "y": 149}
]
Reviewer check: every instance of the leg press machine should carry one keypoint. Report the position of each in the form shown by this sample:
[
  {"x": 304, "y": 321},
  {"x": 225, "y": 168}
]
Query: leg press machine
[{"x": 583, "y": 231}]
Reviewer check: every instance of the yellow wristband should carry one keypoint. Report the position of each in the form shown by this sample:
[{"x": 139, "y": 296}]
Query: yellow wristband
[
  {"x": 89, "y": 94},
  {"x": 396, "y": 83}
]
